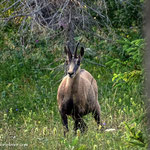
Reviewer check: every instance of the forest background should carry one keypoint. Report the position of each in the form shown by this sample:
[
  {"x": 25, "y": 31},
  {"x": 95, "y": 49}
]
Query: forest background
[{"x": 32, "y": 67}]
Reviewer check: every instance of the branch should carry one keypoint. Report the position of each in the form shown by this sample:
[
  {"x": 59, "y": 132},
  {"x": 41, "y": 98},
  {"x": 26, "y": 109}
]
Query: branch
[
  {"x": 94, "y": 63},
  {"x": 3, "y": 2},
  {"x": 11, "y": 6},
  {"x": 12, "y": 17},
  {"x": 95, "y": 11}
]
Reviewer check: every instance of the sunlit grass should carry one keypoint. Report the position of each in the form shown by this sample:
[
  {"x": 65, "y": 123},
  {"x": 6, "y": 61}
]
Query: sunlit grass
[
  {"x": 43, "y": 129},
  {"x": 29, "y": 113}
]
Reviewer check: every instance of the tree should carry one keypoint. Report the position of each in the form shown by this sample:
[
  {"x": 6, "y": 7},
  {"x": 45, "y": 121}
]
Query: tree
[{"x": 67, "y": 17}]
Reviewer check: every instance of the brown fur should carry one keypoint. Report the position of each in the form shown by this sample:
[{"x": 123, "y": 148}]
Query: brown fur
[{"x": 77, "y": 97}]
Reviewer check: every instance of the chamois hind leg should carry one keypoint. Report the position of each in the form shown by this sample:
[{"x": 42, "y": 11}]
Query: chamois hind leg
[
  {"x": 83, "y": 125},
  {"x": 96, "y": 114},
  {"x": 64, "y": 122},
  {"x": 76, "y": 125},
  {"x": 79, "y": 124}
]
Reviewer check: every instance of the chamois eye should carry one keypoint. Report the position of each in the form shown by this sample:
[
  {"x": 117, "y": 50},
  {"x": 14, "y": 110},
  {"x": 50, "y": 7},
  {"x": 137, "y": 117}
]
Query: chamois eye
[{"x": 66, "y": 62}]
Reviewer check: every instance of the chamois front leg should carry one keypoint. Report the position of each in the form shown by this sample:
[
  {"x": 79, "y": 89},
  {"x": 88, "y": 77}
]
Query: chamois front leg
[{"x": 64, "y": 122}]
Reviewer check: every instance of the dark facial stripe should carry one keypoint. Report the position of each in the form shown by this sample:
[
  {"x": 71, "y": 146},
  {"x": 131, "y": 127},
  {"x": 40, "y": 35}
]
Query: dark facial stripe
[{"x": 76, "y": 68}]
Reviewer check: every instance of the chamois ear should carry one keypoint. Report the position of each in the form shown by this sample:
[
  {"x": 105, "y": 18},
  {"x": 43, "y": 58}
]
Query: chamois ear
[{"x": 82, "y": 52}]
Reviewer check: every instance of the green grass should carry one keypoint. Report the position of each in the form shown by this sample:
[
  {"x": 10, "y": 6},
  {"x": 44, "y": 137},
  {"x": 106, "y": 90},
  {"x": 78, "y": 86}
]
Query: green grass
[
  {"x": 28, "y": 105},
  {"x": 42, "y": 129}
]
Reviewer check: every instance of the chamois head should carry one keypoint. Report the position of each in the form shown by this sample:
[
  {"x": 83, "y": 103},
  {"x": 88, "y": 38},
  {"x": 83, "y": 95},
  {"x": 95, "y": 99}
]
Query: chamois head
[{"x": 73, "y": 61}]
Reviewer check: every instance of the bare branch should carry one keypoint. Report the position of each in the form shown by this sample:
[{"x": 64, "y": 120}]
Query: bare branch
[
  {"x": 12, "y": 17},
  {"x": 3, "y": 2},
  {"x": 70, "y": 18},
  {"x": 94, "y": 63},
  {"x": 11, "y": 6}
]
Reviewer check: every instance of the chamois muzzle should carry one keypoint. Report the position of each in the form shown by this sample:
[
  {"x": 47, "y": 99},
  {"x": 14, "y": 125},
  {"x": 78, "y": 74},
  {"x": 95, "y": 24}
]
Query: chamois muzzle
[{"x": 71, "y": 74}]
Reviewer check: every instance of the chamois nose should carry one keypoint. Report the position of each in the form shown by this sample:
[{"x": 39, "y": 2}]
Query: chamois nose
[{"x": 70, "y": 74}]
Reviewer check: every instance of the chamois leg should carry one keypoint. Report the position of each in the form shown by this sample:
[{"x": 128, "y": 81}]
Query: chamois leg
[
  {"x": 79, "y": 124},
  {"x": 83, "y": 125},
  {"x": 96, "y": 114},
  {"x": 97, "y": 117},
  {"x": 76, "y": 125},
  {"x": 65, "y": 122}
]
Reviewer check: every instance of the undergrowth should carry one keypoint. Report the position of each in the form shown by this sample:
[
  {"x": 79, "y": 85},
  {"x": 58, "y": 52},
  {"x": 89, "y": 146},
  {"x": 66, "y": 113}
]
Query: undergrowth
[{"x": 30, "y": 75}]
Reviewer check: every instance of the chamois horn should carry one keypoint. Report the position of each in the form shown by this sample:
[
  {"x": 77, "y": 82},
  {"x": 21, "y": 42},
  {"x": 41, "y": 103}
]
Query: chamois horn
[{"x": 75, "y": 53}]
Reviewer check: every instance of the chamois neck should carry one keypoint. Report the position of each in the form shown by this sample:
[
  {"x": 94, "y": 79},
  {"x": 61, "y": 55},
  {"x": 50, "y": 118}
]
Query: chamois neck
[{"x": 72, "y": 81}]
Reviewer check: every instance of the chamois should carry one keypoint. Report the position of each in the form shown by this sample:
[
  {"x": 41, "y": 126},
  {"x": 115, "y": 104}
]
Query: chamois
[{"x": 77, "y": 93}]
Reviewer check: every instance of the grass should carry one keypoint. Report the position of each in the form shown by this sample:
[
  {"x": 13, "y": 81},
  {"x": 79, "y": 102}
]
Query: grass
[
  {"x": 29, "y": 116},
  {"x": 43, "y": 129}
]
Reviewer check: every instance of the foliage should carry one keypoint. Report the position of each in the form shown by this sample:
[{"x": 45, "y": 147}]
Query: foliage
[
  {"x": 30, "y": 75},
  {"x": 32, "y": 66},
  {"x": 135, "y": 137},
  {"x": 124, "y": 14},
  {"x": 133, "y": 55}
]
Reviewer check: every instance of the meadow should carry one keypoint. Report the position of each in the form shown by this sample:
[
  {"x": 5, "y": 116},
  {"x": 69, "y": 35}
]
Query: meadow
[{"x": 31, "y": 73}]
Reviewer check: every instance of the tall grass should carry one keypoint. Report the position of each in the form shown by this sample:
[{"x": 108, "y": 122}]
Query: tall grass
[{"x": 29, "y": 117}]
